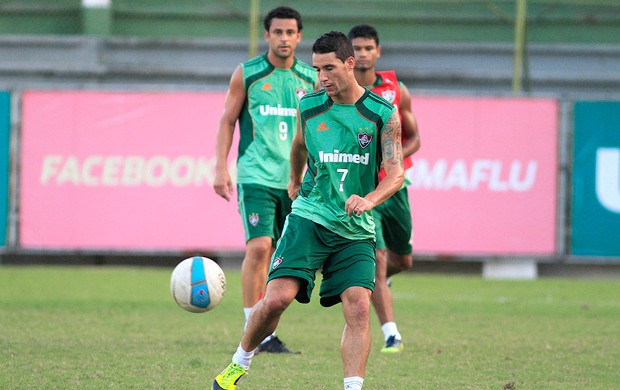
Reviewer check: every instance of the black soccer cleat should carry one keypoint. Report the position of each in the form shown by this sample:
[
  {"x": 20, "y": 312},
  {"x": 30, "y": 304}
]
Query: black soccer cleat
[{"x": 274, "y": 345}]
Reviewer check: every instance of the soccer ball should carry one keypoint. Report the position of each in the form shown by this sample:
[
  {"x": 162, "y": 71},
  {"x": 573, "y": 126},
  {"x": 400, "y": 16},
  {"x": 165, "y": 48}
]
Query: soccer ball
[{"x": 197, "y": 284}]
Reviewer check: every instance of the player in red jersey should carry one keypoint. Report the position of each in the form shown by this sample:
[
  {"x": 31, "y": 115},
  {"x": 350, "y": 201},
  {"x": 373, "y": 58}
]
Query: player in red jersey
[{"x": 393, "y": 217}]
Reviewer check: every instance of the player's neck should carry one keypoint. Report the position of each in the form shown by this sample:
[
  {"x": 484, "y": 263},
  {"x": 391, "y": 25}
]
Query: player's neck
[
  {"x": 351, "y": 95},
  {"x": 279, "y": 62},
  {"x": 365, "y": 77}
]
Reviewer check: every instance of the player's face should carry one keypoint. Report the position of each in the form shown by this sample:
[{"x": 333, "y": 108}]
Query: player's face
[
  {"x": 366, "y": 53},
  {"x": 334, "y": 74},
  {"x": 283, "y": 37}
]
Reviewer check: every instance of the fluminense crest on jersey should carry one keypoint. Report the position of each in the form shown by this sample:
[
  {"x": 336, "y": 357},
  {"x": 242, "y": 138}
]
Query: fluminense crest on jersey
[
  {"x": 277, "y": 261},
  {"x": 389, "y": 95},
  {"x": 253, "y": 218},
  {"x": 300, "y": 92},
  {"x": 337, "y": 157},
  {"x": 266, "y": 109},
  {"x": 364, "y": 139}
]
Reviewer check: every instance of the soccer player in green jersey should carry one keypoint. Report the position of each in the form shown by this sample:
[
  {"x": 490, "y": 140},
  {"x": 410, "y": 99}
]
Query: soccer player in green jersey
[
  {"x": 345, "y": 135},
  {"x": 393, "y": 217},
  {"x": 263, "y": 97}
]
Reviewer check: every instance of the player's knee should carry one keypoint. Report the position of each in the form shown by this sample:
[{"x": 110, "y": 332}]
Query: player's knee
[
  {"x": 399, "y": 262},
  {"x": 276, "y": 304},
  {"x": 357, "y": 308},
  {"x": 259, "y": 249},
  {"x": 407, "y": 262}
]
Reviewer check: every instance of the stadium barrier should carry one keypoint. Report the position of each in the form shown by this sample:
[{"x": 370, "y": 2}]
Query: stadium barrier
[{"x": 109, "y": 171}]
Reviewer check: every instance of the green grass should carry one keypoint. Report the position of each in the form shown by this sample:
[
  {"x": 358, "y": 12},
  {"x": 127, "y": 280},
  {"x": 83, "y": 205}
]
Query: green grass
[{"x": 118, "y": 328}]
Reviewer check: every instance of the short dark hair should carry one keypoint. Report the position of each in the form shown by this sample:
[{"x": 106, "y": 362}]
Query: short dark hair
[
  {"x": 282, "y": 13},
  {"x": 364, "y": 31},
  {"x": 334, "y": 42}
]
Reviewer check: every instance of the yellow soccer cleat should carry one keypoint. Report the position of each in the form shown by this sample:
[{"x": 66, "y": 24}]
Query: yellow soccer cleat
[
  {"x": 227, "y": 380},
  {"x": 393, "y": 345}
]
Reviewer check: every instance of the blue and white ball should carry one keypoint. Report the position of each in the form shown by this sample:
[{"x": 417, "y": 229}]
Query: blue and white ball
[{"x": 197, "y": 284}]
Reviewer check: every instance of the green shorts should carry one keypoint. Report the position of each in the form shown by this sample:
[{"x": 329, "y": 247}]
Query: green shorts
[
  {"x": 393, "y": 223},
  {"x": 263, "y": 210},
  {"x": 306, "y": 247}
]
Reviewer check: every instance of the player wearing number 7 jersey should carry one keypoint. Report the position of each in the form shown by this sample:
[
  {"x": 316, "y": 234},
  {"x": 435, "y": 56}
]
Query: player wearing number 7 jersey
[
  {"x": 345, "y": 133},
  {"x": 263, "y": 97}
]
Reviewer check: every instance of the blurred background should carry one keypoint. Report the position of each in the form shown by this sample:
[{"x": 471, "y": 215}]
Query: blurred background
[{"x": 108, "y": 112}]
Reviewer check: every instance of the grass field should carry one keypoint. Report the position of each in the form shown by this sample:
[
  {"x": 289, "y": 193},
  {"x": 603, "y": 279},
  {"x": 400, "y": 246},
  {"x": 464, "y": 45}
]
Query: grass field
[{"x": 118, "y": 328}]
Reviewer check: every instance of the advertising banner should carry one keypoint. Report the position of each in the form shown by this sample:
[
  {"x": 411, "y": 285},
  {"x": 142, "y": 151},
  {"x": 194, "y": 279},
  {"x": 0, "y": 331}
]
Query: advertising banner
[
  {"x": 134, "y": 171},
  {"x": 5, "y": 147},
  {"x": 485, "y": 178},
  {"x": 596, "y": 179},
  {"x": 123, "y": 171}
]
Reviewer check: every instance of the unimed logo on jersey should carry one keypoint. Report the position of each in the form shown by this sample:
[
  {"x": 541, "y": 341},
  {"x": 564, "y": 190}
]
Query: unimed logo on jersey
[
  {"x": 266, "y": 110},
  {"x": 337, "y": 157}
]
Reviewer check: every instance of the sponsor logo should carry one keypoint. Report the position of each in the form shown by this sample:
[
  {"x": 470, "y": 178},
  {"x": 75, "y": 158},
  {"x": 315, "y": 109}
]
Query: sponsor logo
[
  {"x": 492, "y": 175},
  {"x": 126, "y": 171},
  {"x": 277, "y": 261},
  {"x": 266, "y": 87},
  {"x": 338, "y": 157},
  {"x": 322, "y": 127},
  {"x": 364, "y": 139},
  {"x": 266, "y": 110},
  {"x": 253, "y": 218}
]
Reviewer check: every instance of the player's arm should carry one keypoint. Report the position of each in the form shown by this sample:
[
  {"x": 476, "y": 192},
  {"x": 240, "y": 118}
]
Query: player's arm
[
  {"x": 233, "y": 103},
  {"x": 392, "y": 151},
  {"x": 299, "y": 156},
  {"x": 409, "y": 123}
]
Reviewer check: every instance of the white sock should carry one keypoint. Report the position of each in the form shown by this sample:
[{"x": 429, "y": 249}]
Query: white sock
[
  {"x": 353, "y": 383},
  {"x": 390, "y": 329},
  {"x": 242, "y": 357}
]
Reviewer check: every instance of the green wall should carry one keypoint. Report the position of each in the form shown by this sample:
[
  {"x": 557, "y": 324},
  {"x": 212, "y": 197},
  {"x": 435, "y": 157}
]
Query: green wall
[{"x": 549, "y": 21}]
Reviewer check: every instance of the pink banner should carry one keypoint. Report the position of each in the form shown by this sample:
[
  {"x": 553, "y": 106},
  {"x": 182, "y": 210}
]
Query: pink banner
[
  {"x": 123, "y": 171},
  {"x": 485, "y": 179}
]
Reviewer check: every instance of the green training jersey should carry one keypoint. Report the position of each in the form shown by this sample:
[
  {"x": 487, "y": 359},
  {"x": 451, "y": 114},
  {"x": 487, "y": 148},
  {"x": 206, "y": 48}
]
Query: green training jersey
[
  {"x": 344, "y": 157},
  {"x": 268, "y": 120}
]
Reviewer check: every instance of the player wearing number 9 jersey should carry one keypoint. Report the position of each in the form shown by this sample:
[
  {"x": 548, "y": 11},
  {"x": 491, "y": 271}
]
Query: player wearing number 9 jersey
[
  {"x": 268, "y": 120},
  {"x": 263, "y": 97}
]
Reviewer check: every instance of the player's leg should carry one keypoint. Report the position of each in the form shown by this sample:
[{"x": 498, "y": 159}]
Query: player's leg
[
  {"x": 266, "y": 314},
  {"x": 397, "y": 262},
  {"x": 382, "y": 295},
  {"x": 254, "y": 270},
  {"x": 262, "y": 322},
  {"x": 348, "y": 277},
  {"x": 282, "y": 204},
  {"x": 355, "y": 343},
  {"x": 393, "y": 258},
  {"x": 257, "y": 206}
]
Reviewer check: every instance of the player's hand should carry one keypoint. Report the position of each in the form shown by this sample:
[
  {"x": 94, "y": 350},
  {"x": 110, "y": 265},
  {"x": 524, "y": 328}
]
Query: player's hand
[
  {"x": 357, "y": 205},
  {"x": 293, "y": 189},
  {"x": 222, "y": 184}
]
